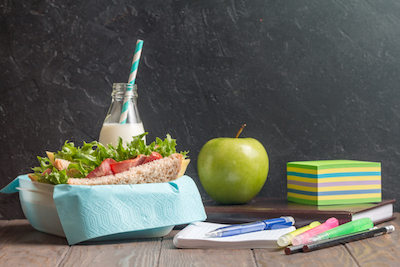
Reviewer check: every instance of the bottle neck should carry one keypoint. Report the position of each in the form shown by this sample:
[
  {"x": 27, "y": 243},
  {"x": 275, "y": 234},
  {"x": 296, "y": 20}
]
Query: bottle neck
[{"x": 121, "y": 91}]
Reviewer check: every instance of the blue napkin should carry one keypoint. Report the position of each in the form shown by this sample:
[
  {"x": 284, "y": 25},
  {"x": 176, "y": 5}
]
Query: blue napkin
[
  {"x": 12, "y": 187},
  {"x": 123, "y": 211}
]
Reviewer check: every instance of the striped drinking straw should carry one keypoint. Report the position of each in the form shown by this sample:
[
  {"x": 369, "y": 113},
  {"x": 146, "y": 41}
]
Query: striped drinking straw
[{"x": 132, "y": 78}]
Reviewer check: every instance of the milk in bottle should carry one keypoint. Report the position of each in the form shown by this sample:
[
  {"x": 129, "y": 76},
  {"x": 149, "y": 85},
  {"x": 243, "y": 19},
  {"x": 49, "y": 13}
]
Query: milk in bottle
[{"x": 112, "y": 127}]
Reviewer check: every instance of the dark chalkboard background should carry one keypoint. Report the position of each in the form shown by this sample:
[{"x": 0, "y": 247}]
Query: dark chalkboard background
[{"x": 311, "y": 79}]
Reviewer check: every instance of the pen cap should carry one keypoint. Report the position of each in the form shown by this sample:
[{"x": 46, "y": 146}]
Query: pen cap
[
  {"x": 289, "y": 219},
  {"x": 278, "y": 223},
  {"x": 351, "y": 227},
  {"x": 282, "y": 225},
  {"x": 332, "y": 222},
  {"x": 284, "y": 240}
]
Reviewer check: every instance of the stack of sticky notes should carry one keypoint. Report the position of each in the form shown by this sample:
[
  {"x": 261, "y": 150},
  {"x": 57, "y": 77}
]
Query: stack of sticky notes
[{"x": 331, "y": 182}]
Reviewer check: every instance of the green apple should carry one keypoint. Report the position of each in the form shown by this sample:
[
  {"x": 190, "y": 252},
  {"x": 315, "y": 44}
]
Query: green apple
[{"x": 233, "y": 170}]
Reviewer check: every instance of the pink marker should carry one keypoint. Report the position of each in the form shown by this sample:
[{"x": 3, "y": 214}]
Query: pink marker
[{"x": 304, "y": 237}]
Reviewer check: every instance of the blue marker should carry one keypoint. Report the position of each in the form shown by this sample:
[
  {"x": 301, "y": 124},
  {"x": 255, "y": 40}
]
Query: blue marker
[{"x": 282, "y": 222}]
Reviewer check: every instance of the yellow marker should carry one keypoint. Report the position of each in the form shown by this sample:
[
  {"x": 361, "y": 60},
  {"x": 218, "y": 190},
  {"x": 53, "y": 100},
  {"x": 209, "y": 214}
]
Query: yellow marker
[{"x": 285, "y": 240}]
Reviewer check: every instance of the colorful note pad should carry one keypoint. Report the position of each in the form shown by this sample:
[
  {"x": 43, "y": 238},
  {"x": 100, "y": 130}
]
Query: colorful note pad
[{"x": 331, "y": 182}]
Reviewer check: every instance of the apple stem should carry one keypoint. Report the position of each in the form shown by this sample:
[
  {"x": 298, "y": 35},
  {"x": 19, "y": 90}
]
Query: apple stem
[{"x": 240, "y": 130}]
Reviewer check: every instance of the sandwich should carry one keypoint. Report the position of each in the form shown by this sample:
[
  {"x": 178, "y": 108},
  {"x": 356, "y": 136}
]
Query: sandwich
[{"x": 97, "y": 164}]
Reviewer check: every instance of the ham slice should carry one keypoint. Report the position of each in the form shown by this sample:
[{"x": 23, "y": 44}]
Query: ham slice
[
  {"x": 125, "y": 165},
  {"x": 153, "y": 156},
  {"x": 102, "y": 170}
]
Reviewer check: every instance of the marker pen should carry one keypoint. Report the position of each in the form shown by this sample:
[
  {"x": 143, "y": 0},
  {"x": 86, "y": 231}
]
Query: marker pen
[
  {"x": 344, "y": 229},
  {"x": 285, "y": 240},
  {"x": 304, "y": 237}
]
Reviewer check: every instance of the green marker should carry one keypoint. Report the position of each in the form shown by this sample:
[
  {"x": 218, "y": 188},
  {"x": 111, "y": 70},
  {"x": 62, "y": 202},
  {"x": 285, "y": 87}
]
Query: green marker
[{"x": 344, "y": 229}]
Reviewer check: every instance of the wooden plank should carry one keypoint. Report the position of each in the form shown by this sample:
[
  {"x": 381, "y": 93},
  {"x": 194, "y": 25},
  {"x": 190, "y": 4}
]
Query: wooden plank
[
  {"x": 3, "y": 223},
  {"x": 21, "y": 245},
  {"x": 325, "y": 257},
  {"x": 378, "y": 251},
  {"x": 172, "y": 256},
  {"x": 140, "y": 252}
]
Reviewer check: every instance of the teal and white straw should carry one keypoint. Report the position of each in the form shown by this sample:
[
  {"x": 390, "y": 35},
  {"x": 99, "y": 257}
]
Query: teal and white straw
[{"x": 132, "y": 78}]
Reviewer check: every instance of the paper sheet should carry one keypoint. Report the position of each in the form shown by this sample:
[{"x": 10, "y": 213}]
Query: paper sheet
[{"x": 193, "y": 236}]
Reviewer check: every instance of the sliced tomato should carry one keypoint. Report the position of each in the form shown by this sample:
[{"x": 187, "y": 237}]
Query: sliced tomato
[
  {"x": 103, "y": 169},
  {"x": 125, "y": 165},
  {"x": 153, "y": 156}
]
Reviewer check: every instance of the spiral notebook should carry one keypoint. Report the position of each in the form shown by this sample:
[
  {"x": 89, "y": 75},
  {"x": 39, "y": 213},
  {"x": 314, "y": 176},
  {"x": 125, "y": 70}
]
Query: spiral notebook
[{"x": 193, "y": 236}]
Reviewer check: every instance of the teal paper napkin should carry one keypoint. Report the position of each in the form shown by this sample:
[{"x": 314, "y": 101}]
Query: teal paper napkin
[
  {"x": 12, "y": 187},
  {"x": 123, "y": 211}
]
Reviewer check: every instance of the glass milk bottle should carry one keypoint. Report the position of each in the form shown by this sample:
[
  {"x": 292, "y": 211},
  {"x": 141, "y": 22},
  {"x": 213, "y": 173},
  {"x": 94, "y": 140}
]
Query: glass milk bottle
[{"x": 112, "y": 128}]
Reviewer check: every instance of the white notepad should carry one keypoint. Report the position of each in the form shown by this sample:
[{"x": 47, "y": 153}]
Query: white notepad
[{"x": 193, "y": 236}]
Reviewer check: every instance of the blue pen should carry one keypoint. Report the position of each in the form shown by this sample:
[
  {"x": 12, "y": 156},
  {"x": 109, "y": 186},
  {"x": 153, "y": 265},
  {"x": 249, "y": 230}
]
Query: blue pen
[{"x": 271, "y": 224}]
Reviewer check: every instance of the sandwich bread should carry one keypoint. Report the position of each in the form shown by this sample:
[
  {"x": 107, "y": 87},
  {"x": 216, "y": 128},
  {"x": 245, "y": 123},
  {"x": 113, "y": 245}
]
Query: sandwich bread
[{"x": 157, "y": 171}]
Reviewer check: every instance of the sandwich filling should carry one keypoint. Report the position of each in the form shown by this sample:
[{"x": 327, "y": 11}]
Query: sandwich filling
[{"x": 94, "y": 160}]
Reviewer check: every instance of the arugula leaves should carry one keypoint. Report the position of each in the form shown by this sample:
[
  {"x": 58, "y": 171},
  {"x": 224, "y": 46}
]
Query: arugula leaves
[{"x": 86, "y": 158}]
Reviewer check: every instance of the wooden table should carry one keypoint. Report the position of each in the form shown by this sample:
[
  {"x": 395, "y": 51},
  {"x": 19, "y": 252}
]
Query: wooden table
[{"x": 21, "y": 245}]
